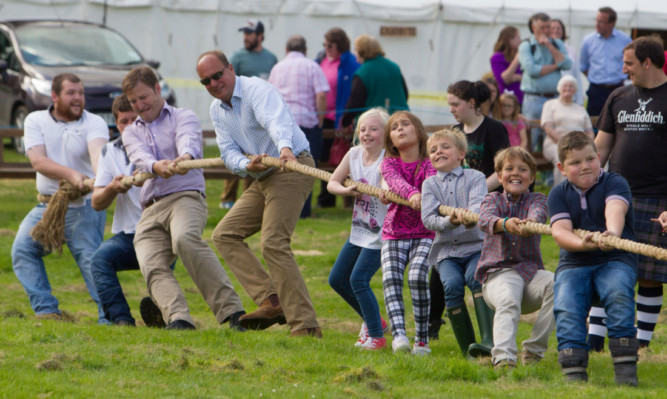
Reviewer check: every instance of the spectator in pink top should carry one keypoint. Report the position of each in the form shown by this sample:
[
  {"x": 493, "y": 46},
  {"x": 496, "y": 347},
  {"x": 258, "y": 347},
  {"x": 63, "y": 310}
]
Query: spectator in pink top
[{"x": 505, "y": 62}]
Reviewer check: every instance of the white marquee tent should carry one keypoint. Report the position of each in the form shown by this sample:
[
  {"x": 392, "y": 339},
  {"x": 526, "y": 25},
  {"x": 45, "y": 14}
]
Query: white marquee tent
[{"x": 453, "y": 41}]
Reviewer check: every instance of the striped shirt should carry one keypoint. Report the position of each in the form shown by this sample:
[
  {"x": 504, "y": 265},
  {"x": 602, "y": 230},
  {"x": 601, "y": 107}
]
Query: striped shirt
[
  {"x": 299, "y": 79},
  {"x": 502, "y": 250},
  {"x": 175, "y": 132},
  {"x": 257, "y": 122},
  {"x": 460, "y": 188}
]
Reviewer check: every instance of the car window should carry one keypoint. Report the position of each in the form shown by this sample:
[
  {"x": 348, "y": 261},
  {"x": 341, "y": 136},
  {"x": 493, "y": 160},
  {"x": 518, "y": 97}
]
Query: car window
[
  {"x": 7, "y": 52},
  {"x": 68, "y": 45}
]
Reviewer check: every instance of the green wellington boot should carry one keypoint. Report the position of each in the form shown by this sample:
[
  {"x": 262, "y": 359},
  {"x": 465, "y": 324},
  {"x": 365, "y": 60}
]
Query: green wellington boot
[
  {"x": 485, "y": 322},
  {"x": 462, "y": 326}
]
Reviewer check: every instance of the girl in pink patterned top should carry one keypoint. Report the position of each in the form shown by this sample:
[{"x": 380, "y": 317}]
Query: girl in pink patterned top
[
  {"x": 405, "y": 239},
  {"x": 514, "y": 122}
]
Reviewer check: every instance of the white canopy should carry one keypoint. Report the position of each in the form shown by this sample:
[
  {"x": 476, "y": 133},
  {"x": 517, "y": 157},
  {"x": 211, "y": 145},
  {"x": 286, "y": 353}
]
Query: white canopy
[{"x": 453, "y": 40}]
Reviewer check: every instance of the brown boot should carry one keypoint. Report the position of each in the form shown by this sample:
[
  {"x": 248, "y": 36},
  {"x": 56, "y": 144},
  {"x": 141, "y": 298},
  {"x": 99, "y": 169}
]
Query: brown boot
[
  {"x": 304, "y": 332},
  {"x": 266, "y": 315}
]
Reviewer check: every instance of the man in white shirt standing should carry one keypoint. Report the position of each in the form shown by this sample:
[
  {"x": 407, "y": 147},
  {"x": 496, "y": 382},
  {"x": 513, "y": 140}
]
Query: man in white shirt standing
[{"x": 62, "y": 142}]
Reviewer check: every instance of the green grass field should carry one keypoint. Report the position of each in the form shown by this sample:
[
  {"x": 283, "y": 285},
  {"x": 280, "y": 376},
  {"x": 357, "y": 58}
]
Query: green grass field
[{"x": 53, "y": 359}]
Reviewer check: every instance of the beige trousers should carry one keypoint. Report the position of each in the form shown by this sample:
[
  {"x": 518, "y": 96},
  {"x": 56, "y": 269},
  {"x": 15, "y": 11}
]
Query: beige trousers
[
  {"x": 510, "y": 296},
  {"x": 173, "y": 227},
  {"x": 272, "y": 205}
]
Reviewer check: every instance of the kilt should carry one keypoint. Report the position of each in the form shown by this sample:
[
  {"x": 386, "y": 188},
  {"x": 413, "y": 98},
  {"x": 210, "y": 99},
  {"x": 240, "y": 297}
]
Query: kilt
[{"x": 649, "y": 232}]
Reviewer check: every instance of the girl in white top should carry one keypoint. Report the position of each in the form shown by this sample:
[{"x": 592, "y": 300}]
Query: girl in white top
[{"x": 359, "y": 259}]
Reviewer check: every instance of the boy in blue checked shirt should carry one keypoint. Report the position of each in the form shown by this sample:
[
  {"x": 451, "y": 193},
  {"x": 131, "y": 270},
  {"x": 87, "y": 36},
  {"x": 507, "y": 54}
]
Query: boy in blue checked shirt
[
  {"x": 511, "y": 270},
  {"x": 593, "y": 200},
  {"x": 457, "y": 245}
]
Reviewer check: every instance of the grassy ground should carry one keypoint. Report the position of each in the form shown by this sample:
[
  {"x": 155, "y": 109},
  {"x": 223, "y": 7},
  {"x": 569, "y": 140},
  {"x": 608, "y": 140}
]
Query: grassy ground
[{"x": 41, "y": 358}]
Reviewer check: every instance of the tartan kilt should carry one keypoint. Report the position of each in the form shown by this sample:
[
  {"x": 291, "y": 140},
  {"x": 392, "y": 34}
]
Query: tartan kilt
[{"x": 649, "y": 232}]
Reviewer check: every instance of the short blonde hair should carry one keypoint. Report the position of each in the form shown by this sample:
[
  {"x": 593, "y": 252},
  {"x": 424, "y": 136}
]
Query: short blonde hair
[
  {"x": 454, "y": 135},
  {"x": 515, "y": 152},
  {"x": 377, "y": 112},
  {"x": 367, "y": 47}
]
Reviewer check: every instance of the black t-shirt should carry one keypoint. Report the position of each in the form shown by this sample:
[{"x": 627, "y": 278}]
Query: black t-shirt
[
  {"x": 483, "y": 144},
  {"x": 638, "y": 118}
]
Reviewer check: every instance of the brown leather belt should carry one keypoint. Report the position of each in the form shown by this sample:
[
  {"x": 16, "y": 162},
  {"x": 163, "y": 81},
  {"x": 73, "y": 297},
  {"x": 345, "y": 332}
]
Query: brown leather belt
[{"x": 154, "y": 200}]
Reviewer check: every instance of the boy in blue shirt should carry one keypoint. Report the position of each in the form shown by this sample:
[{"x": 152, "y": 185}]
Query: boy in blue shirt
[{"x": 597, "y": 201}]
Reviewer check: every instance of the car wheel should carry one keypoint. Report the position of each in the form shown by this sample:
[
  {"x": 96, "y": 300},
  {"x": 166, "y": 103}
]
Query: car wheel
[{"x": 18, "y": 118}]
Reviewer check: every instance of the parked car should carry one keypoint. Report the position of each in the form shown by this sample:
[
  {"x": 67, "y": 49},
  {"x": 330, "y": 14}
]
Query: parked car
[{"x": 32, "y": 52}]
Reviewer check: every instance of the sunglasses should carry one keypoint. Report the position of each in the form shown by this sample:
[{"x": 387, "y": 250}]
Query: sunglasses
[{"x": 215, "y": 76}]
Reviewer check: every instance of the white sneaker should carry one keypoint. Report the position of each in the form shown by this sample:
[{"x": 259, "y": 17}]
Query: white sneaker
[
  {"x": 401, "y": 343},
  {"x": 421, "y": 349},
  {"x": 363, "y": 336}
]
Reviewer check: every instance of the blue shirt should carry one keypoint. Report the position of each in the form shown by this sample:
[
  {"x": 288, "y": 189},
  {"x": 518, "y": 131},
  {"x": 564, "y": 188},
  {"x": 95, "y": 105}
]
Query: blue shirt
[
  {"x": 532, "y": 63},
  {"x": 586, "y": 211},
  {"x": 460, "y": 188},
  {"x": 258, "y": 122},
  {"x": 603, "y": 58}
]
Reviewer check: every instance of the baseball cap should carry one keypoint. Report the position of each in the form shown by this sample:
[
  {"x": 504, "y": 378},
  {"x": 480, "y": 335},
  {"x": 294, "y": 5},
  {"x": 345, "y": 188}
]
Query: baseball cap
[{"x": 253, "y": 26}]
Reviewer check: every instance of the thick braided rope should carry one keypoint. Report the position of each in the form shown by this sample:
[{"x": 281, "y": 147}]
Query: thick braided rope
[{"x": 612, "y": 241}]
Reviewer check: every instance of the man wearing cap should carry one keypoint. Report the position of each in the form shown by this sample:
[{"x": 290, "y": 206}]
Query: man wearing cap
[{"x": 252, "y": 60}]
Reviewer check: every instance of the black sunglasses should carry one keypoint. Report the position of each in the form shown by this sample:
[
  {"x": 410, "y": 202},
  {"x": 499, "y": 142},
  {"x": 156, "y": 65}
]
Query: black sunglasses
[{"x": 215, "y": 76}]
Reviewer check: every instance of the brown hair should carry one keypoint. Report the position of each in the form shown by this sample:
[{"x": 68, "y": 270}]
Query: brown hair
[
  {"x": 466, "y": 90},
  {"x": 143, "y": 74},
  {"x": 368, "y": 47},
  {"x": 422, "y": 136},
  {"x": 503, "y": 42},
  {"x": 339, "y": 38},
  {"x": 610, "y": 13},
  {"x": 120, "y": 104},
  {"x": 516, "y": 152},
  {"x": 562, "y": 27},
  {"x": 457, "y": 137},
  {"x": 574, "y": 140},
  {"x": 497, "y": 112},
  {"x": 218, "y": 54},
  {"x": 57, "y": 81},
  {"x": 648, "y": 47}
]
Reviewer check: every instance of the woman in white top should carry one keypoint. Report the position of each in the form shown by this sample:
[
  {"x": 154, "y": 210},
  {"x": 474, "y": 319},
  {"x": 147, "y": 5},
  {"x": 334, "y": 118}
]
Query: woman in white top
[
  {"x": 562, "y": 115},
  {"x": 359, "y": 259}
]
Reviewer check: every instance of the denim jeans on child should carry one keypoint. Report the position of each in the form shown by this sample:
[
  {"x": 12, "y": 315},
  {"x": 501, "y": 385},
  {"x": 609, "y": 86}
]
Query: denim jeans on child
[
  {"x": 574, "y": 290},
  {"x": 350, "y": 277},
  {"x": 84, "y": 231},
  {"x": 455, "y": 274}
]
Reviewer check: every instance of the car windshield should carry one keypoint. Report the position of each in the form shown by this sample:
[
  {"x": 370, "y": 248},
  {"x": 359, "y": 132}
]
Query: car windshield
[{"x": 66, "y": 45}]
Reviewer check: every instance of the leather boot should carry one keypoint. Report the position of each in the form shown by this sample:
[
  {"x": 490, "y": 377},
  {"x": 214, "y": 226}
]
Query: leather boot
[
  {"x": 307, "y": 332},
  {"x": 624, "y": 354},
  {"x": 266, "y": 315},
  {"x": 574, "y": 361},
  {"x": 462, "y": 326},
  {"x": 485, "y": 323}
]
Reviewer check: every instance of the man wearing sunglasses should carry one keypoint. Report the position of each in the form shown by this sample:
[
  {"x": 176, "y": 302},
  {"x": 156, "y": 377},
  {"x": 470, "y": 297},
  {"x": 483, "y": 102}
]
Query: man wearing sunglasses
[
  {"x": 251, "y": 60},
  {"x": 251, "y": 117}
]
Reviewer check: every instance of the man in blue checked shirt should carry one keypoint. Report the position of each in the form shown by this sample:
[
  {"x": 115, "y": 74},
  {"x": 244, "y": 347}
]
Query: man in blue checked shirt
[{"x": 251, "y": 117}]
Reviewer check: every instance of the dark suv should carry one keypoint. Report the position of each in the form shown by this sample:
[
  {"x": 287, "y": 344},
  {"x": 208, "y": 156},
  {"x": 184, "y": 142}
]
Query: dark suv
[{"x": 32, "y": 52}]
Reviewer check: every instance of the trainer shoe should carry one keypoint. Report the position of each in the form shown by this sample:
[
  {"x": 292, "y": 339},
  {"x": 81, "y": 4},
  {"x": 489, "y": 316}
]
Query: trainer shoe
[
  {"x": 400, "y": 343},
  {"x": 528, "y": 358},
  {"x": 226, "y": 204},
  {"x": 363, "y": 334},
  {"x": 421, "y": 349},
  {"x": 373, "y": 344}
]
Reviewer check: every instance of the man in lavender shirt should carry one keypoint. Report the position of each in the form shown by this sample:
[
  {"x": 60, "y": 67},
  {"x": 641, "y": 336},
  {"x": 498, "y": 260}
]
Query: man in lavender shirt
[{"x": 174, "y": 206}]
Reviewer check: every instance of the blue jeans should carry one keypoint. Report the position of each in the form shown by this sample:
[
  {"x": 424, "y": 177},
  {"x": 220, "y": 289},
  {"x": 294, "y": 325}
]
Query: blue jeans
[
  {"x": 455, "y": 274},
  {"x": 114, "y": 255},
  {"x": 575, "y": 290},
  {"x": 532, "y": 110},
  {"x": 350, "y": 277},
  {"x": 314, "y": 137},
  {"x": 84, "y": 231}
]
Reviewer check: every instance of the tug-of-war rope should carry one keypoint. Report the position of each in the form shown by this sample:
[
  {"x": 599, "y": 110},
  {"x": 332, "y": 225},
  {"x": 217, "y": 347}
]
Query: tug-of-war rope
[{"x": 50, "y": 231}]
